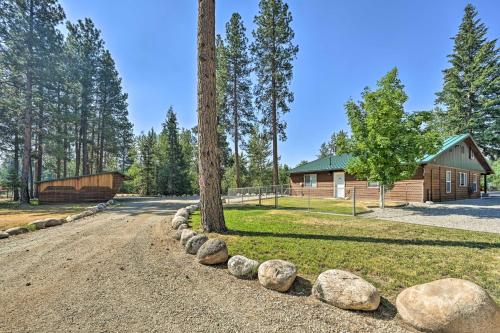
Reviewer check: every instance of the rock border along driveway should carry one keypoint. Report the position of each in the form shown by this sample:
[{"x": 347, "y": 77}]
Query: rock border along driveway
[{"x": 121, "y": 271}]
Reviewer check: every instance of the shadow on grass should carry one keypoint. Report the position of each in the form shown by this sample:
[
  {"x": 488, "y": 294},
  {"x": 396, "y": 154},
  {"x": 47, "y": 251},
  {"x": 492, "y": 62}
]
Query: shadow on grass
[{"x": 390, "y": 241}]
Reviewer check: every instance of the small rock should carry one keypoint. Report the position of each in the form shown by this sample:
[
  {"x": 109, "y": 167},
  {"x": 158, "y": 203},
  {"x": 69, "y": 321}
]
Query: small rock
[
  {"x": 242, "y": 267},
  {"x": 186, "y": 235},
  {"x": 28, "y": 284},
  {"x": 194, "y": 243},
  {"x": 3, "y": 235},
  {"x": 177, "y": 221},
  {"x": 16, "y": 231},
  {"x": 101, "y": 206},
  {"x": 346, "y": 291},
  {"x": 212, "y": 252},
  {"x": 182, "y": 212},
  {"x": 277, "y": 275},
  {"x": 449, "y": 305},
  {"x": 178, "y": 232}
]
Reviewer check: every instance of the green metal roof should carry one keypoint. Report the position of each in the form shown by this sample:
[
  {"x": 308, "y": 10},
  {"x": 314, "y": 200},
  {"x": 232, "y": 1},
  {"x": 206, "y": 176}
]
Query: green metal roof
[
  {"x": 333, "y": 162},
  {"x": 329, "y": 163},
  {"x": 448, "y": 143}
]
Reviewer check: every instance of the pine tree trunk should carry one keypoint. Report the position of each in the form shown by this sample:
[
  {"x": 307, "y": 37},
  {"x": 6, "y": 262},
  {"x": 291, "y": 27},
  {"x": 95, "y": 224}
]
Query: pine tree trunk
[
  {"x": 25, "y": 197},
  {"x": 83, "y": 132},
  {"x": 77, "y": 151},
  {"x": 16, "y": 165},
  {"x": 65, "y": 149},
  {"x": 39, "y": 151},
  {"x": 212, "y": 214}
]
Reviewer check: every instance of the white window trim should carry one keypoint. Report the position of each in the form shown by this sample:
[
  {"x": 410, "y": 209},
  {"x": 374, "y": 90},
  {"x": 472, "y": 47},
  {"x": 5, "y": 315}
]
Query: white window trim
[
  {"x": 311, "y": 185},
  {"x": 448, "y": 181},
  {"x": 465, "y": 180},
  {"x": 474, "y": 182}
]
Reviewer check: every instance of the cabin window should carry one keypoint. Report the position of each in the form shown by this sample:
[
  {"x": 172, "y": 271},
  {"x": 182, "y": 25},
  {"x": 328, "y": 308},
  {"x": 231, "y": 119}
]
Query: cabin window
[
  {"x": 474, "y": 183},
  {"x": 463, "y": 179},
  {"x": 448, "y": 181},
  {"x": 373, "y": 184},
  {"x": 310, "y": 180},
  {"x": 462, "y": 149},
  {"x": 471, "y": 154}
]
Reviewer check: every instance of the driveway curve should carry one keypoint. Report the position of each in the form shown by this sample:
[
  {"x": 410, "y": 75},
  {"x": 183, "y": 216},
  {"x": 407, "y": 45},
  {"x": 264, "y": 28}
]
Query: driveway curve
[{"x": 120, "y": 271}]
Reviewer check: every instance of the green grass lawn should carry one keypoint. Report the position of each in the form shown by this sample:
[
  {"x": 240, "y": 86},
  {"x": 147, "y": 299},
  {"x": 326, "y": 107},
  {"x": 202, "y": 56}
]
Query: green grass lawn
[
  {"x": 390, "y": 255},
  {"x": 337, "y": 206}
]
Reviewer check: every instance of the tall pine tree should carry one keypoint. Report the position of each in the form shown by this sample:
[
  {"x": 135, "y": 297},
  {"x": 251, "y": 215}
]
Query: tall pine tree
[
  {"x": 239, "y": 113},
  {"x": 173, "y": 177},
  {"x": 273, "y": 51},
  {"x": 471, "y": 89}
]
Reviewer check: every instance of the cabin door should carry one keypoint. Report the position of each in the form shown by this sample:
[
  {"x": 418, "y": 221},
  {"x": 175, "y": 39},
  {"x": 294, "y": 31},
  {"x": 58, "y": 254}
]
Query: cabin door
[{"x": 339, "y": 178}]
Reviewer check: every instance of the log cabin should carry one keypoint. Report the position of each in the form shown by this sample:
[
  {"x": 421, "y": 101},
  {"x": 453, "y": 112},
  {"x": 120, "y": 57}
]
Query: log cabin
[
  {"x": 452, "y": 173},
  {"x": 91, "y": 188}
]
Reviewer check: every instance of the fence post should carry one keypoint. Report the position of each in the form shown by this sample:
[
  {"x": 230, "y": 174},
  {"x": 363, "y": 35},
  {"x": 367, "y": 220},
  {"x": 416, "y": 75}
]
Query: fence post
[
  {"x": 241, "y": 199},
  {"x": 260, "y": 196},
  {"x": 309, "y": 201},
  {"x": 275, "y": 197},
  {"x": 354, "y": 201}
]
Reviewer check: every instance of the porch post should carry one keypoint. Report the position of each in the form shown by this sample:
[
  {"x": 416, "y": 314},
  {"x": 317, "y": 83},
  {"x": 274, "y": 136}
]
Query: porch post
[{"x": 485, "y": 184}]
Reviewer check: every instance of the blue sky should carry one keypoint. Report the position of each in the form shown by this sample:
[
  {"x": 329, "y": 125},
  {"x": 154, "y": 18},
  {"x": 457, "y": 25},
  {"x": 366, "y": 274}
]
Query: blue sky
[{"x": 344, "y": 46}]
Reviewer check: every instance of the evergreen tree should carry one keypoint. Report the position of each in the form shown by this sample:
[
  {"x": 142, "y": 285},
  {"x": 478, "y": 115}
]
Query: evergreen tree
[
  {"x": 221, "y": 77},
  {"x": 239, "y": 114},
  {"x": 174, "y": 171},
  {"x": 339, "y": 144},
  {"x": 86, "y": 46},
  {"x": 148, "y": 168},
  {"x": 273, "y": 52},
  {"x": 471, "y": 89},
  {"x": 259, "y": 164}
]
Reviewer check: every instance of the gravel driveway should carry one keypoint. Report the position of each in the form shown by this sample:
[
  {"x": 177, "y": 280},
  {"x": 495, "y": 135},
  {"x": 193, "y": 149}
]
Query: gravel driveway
[
  {"x": 471, "y": 214},
  {"x": 121, "y": 271}
]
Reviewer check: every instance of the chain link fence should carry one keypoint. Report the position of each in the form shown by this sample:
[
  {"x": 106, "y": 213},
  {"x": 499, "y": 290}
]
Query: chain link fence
[{"x": 311, "y": 199}]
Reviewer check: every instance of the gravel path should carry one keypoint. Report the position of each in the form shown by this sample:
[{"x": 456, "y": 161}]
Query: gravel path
[
  {"x": 471, "y": 214},
  {"x": 120, "y": 271}
]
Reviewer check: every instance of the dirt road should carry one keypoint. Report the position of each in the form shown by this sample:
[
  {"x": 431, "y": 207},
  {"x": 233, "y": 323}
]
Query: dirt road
[{"x": 120, "y": 271}]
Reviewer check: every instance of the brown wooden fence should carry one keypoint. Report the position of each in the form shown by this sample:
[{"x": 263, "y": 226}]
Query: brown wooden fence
[{"x": 91, "y": 188}]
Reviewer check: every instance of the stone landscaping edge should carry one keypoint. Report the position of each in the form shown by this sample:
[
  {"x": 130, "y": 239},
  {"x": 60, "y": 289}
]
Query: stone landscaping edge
[
  {"x": 52, "y": 222},
  {"x": 446, "y": 305}
]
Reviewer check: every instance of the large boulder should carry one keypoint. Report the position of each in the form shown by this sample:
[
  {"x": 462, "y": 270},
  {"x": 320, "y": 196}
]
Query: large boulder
[
  {"x": 38, "y": 224},
  {"x": 346, "y": 291},
  {"x": 186, "y": 235},
  {"x": 449, "y": 305},
  {"x": 212, "y": 252},
  {"x": 194, "y": 243},
  {"x": 182, "y": 212},
  {"x": 50, "y": 222},
  {"x": 177, "y": 221},
  {"x": 277, "y": 275},
  {"x": 3, "y": 235},
  {"x": 16, "y": 231},
  {"x": 242, "y": 267},
  {"x": 178, "y": 232}
]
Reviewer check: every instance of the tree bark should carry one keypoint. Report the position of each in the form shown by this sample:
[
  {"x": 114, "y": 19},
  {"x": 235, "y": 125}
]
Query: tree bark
[
  {"x": 212, "y": 214},
  {"x": 77, "y": 151},
  {"x": 16, "y": 166},
  {"x": 28, "y": 112},
  {"x": 39, "y": 151}
]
